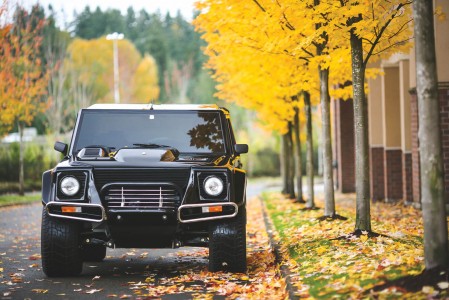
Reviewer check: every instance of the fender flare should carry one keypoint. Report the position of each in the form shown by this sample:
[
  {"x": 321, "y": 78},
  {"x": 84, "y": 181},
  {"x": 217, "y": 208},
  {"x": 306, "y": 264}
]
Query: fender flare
[{"x": 46, "y": 186}]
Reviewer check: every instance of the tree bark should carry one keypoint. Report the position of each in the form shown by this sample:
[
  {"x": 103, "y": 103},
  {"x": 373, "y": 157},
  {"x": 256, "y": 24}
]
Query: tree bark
[
  {"x": 432, "y": 174},
  {"x": 310, "y": 172},
  {"x": 291, "y": 163},
  {"x": 362, "y": 187},
  {"x": 299, "y": 192},
  {"x": 21, "y": 172},
  {"x": 284, "y": 163},
  {"x": 329, "y": 201}
]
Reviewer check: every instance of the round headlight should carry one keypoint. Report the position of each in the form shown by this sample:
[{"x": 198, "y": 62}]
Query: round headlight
[
  {"x": 213, "y": 185},
  {"x": 69, "y": 185}
]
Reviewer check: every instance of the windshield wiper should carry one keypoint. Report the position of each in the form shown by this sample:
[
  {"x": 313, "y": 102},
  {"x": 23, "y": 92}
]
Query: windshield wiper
[{"x": 151, "y": 146}]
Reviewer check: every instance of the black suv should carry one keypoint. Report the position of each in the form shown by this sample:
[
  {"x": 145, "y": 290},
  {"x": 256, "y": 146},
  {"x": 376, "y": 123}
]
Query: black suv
[{"x": 145, "y": 176}]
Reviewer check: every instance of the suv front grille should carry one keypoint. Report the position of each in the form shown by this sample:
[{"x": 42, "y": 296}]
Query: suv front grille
[
  {"x": 178, "y": 177},
  {"x": 125, "y": 197}
]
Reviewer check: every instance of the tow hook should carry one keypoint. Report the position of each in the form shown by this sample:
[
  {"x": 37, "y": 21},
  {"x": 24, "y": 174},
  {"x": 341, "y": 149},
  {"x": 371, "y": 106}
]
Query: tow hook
[
  {"x": 176, "y": 244},
  {"x": 94, "y": 241}
]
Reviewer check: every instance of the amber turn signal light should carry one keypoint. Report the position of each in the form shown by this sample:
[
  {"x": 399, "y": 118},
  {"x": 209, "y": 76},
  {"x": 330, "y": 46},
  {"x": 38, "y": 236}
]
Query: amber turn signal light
[
  {"x": 212, "y": 209},
  {"x": 70, "y": 209}
]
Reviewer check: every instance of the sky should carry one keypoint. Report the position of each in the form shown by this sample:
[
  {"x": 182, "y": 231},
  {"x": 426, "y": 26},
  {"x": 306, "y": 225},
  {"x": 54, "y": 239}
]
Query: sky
[{"x": 184, "y": 6}]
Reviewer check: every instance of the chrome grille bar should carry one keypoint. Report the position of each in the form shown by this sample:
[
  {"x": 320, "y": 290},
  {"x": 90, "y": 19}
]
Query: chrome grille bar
[
  {"x": 161, "y": 200},
  {"x": 144, "y": 197}
]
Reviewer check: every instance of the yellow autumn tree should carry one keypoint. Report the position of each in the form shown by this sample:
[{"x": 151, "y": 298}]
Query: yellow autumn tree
[
  {"x": 90, "y": 67},
  {"x": 256, "y": 76},
  {"x": 281, "y": 51},
  {"x": 145, "y": 81},
  {"x": 338, "y": 38},
  {"x": 374, "y": 29}
]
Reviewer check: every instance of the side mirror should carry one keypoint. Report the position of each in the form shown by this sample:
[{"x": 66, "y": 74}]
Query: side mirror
[
  {"x": 241, "y": 148},
  {"x": 61, "y": 147}
]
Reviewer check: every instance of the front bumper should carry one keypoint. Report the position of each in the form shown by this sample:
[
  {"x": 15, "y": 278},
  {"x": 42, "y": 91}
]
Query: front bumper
[
  {"x": 190, "y": 213},
  {"x": 187, "y": 213},
  {"x": 111, "y": 200},
  {"x": 77, "y": 211}
]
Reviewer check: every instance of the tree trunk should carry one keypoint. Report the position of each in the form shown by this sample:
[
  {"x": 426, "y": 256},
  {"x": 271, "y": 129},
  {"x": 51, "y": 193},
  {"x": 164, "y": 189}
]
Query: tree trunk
[
  {"x": 21, "y": 173},
  {"x": 309, "y": 142},
  {"x": 291, "y": 163},
  {"x": 329, "y": 201},
  {"x": 299, "y": 195},
  {"x": 432, "y": 174},
  {"x": 284, "y": 163},
  {"x": 362, "y": 188}
]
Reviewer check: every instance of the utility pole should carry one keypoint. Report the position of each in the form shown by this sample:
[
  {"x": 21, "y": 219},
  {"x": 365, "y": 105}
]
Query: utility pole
[{"x": 115, "y": 37}]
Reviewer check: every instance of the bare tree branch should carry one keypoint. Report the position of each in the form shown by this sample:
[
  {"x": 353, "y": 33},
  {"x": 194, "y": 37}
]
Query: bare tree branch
[
  {"x": 393, "y": 45},
  {"x": 401, "y": 29},
  {"x": 307, "y": 52},
  {"x": 260, "y": 6},
  {"x": 382, "y": 30}
]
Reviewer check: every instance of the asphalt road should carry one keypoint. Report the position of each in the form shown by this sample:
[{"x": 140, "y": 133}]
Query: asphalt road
[{"x": 21, "y": 276}]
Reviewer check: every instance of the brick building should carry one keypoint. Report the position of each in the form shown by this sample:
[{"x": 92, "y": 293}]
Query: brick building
[{"x": 393, "y": 126}]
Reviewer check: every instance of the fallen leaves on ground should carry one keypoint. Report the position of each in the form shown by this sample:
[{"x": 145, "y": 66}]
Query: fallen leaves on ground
[
  {"x": 39, "y": 291},
  {"x": 137, "y": 273},
  {"x": 262, "y": 281},
  {"x": 326, "y": 260}
]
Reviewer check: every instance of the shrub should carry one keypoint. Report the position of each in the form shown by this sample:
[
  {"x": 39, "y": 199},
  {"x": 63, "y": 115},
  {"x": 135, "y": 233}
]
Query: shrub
[{"x": 37, "y": 159}]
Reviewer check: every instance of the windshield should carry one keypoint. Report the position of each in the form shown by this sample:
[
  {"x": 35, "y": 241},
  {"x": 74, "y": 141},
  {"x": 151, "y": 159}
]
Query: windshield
[{"x": 187, "y": 131}]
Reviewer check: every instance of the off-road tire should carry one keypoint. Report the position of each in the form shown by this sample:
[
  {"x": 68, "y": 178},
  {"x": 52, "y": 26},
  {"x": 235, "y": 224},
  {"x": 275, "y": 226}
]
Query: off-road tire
[
  {"x": 60, "y": 247},
  {"x": 93, "y": 253},
  {"x": 227, "y": 244}
]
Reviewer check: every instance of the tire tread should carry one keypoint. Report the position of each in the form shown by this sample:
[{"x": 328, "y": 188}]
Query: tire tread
[
  {"x": 227, "y": 245},
  {"x": 61, "y": 255}
]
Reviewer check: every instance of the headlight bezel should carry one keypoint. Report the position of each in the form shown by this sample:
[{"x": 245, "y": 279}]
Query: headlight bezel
[
  {"x": 212, "y": 182},
  {"x": 66, "y": 190},
  {"x": 81, "y": 176},
  {"x": 222, "y": 175}
]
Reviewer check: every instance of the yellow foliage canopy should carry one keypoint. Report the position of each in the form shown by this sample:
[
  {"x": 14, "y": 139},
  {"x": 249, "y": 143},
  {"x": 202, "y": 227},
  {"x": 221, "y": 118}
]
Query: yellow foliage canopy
[
  {"x": 265, "y": 52},
  {"x": 145, "y": 81}
]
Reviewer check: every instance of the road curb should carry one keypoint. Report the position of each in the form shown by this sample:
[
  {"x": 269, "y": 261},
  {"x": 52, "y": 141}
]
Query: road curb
[{"x": 285, "y": 271}]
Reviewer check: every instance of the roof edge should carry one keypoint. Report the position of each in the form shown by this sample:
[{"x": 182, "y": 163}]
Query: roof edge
[{"x": 113, "y": 106}]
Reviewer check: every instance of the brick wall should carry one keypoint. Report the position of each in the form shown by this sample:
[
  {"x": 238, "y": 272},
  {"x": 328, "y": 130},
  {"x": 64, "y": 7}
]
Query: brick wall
[
  {"x": 344, "y": 139},
  {"x": 407, "y": 184},
  {"x": 377, "y": 173},
  {"x": 443, "y": 96},
  {"x": 393, "y": 174}
]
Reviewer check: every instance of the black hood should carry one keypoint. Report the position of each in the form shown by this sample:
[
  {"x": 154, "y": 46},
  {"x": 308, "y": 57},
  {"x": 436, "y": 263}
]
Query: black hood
[
  {"x": 146, "y": 155},
  {"x": 157, "y": 158}
]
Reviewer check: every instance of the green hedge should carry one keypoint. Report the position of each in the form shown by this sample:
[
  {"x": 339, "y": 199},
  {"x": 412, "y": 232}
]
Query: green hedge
[
  {"x": 262, "y": 162},
  {"x": 37, "y": 159}
]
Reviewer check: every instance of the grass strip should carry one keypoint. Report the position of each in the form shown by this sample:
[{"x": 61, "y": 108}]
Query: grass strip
[
  {"x": 13, "y": 199},
  {"x": 328, "y": 262}
]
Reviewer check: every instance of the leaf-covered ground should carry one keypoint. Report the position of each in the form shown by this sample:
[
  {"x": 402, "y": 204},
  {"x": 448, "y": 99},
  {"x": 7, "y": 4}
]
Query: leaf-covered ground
[
  {"x": 134, "y": 273},
  {"x": 326, "y": 261},
  {"x": 262, "y": 280}
]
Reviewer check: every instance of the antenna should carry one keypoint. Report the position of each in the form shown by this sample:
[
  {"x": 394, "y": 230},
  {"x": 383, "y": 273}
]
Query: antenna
[{"x": 151, "y": 104}]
